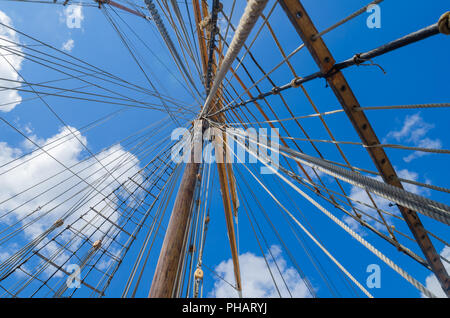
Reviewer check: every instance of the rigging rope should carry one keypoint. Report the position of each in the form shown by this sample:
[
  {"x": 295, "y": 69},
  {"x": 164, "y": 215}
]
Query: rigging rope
[
  {"x": 300, "y": 224},
  {"x": 162, "y": 29},
  {"x": 430, "y": 208},
  {"x": 248, "y": 20},
  {"x": 356, "y": 236}
]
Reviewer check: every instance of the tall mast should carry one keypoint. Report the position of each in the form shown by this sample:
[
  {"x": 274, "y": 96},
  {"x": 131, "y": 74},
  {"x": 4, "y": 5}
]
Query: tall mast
[{"x": 164, "y": 279}]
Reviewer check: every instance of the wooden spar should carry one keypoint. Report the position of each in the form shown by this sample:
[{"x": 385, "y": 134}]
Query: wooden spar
[
  {"x": 164, "y": 279},
  {"x": 221, "y": 168},
  {"x": 321, "y": 54},
  {"x": 124, "y": 8},
  {"x": 232, "y": 182},
  {"x": 225, "y": 171}
]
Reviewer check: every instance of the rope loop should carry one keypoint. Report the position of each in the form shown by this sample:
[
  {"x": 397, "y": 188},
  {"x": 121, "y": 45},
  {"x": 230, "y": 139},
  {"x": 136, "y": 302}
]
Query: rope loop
[
  {"x": 203, "y": 24},
  {"x": 357, "y": 59},
  {"x": 294, "y": 82},
  {"x": 275, "y": 90},
  {"x": 444, "y": 23}
]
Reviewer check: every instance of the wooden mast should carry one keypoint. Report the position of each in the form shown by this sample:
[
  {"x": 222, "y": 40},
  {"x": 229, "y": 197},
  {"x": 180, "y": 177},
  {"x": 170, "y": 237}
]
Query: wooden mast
[{"x": 164, "y": 279}]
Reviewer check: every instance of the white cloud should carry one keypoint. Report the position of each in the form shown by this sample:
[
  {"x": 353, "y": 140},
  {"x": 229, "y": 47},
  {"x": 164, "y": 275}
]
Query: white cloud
[
  {"x": 311, "y": 172},
  {"x": 222, "y": 24},
  {"x": 4, "y": 256},
  {"x": 256, "y": 279},
  {"x": 28, "y": 129},
  {"x": 413, "y": 127},
  {"x": 431, "y": 282},
  {"x": 359, "y": 194},
  {"x": 414, "y": 132},
  {"x": 68, "y": 45},
  {"x": 423, "y": 143},
  {"x": 53, "y": 204},
  {"x": 9, "y": 64}
]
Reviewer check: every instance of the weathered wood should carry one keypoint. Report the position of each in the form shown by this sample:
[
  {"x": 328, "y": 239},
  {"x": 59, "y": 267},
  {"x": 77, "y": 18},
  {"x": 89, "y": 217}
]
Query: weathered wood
[
  {"x": 221, "y": 151},
  {"x": 224, "y": 171},
  {"x": 171, "y": 255},
  {"x": 164, "y": 279}
]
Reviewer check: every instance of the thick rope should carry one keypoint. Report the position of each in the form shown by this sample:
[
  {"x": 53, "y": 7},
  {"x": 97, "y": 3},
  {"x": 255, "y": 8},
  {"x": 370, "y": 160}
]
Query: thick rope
[
  {"x": 166, "y": 37},
  {"x": 430, "y": 208},
  {"x": 248, "y": 20},
  {"x": 356, "y": 236},
  {"x": 334, "y": 260},
  {"x": 366, "y": 244}
]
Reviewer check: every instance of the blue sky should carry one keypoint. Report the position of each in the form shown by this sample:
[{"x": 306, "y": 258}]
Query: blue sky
[{"x": 414, "y": 75}]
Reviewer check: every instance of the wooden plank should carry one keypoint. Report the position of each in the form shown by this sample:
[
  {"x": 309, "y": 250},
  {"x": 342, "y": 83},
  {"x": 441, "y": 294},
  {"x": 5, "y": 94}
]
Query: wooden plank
[{"x": 322, "y": 56}]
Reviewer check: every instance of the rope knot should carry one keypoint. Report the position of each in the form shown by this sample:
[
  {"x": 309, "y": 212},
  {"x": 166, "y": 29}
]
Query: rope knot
[
  {"x": 444, "y": 23},
  {"x": 205, "y": 22},
  {"x": 97, "y": 244},
  {"x": 294, "y": 82},
  {"x": 357, "y": 59}
]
